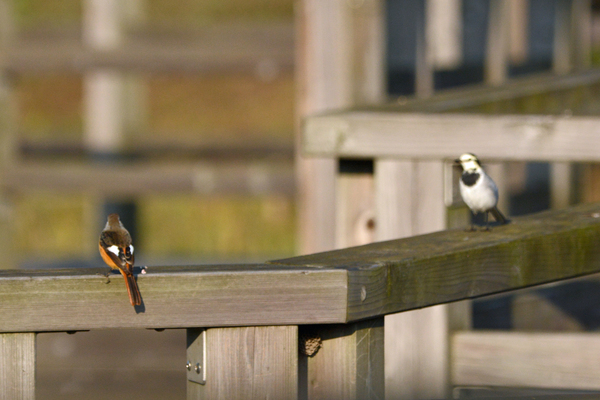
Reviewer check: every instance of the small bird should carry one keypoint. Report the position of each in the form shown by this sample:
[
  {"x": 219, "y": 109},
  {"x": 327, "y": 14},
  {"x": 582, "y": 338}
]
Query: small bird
[
  {"x": 478, "y": 190},
  {"x": 117, "y": 251}
]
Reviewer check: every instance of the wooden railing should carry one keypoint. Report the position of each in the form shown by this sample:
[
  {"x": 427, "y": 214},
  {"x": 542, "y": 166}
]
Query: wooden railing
[{"x": 244, "y": 321}]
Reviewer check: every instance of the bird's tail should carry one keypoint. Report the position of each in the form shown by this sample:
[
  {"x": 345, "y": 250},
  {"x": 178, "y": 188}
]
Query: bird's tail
[
  {"x": 498, "y": 216},
  {"x": 135, "y": 298}
]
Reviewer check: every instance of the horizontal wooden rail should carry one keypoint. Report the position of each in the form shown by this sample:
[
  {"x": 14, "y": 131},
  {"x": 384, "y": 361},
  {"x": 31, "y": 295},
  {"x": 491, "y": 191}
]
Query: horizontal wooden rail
[
  {"x": 137, "y": 178},
  {"x": 220, "y": 48},
  {"x": 365, "y": 134},
  {"x": 545, "y": 118},
  {"x": 333, "y": 287},
  {"x": 520, "y": 359}
]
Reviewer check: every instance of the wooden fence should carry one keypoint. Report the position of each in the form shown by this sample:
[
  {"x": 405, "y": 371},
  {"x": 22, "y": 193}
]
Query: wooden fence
[{"x": 244, "y": 321}]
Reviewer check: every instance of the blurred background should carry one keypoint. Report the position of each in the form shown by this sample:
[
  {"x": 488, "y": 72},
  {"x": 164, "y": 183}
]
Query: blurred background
[{"x": 181, "y": 117}]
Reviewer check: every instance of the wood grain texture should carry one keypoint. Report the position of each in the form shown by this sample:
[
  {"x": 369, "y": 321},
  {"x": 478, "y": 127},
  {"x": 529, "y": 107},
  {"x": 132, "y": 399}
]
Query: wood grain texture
[
  {"x": 249, "y": 363},
  {"x": 444, "y": 136},
  {"x": 538, "y": 360},
  {"x": 349, "y": 365},
  {"x": 452, "y": 265},
  {"x": 355, "y": 216},
  {"x": 496, "y": 58},
  {"x": 17, "y": 366},
  {"x": 231, "y": 48},
  {"x": 147, "y": 177},
  {"x": 176, "y": 297},
  {"x": 333, "y": 287}
]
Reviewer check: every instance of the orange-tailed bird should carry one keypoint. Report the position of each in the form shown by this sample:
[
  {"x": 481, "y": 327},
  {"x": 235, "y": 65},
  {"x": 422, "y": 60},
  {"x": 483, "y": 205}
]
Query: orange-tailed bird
[{"x": 117, "y": 251}]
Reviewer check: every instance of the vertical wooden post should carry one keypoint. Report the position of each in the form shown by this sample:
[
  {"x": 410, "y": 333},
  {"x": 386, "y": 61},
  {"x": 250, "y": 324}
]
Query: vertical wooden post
[
  {"x": 17, "y": 366},
  {"x": 348, "y": 366},
  {"x": 561, "y": 62},
  {"x": 340, "y": 63},
  {"x": 410, "y": 201},
  {"x": 8, "y": 132},
  {"x": 247, "y": 363},
  {"x": 424, "y": 61},
  {"x": 496, "y": 60}
]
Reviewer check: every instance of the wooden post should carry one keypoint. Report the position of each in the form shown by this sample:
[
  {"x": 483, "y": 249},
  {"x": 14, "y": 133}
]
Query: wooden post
[
  {"x": 340, "y": 63},
  {"x": 8, "y": 131},
  {"x": 496, "y": 60},
  {"x": 410, "y": 201},
  {"x": 348, "y": 366},
  {"x": 17, "y": 366},
  {"x": 245, "y": 363},
  {"x": 424, "y": 61}
]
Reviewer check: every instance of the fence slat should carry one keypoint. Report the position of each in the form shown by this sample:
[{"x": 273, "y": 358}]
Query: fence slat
[
  {"x": 17, "y": 366},
  {"x": 518, "y": 359},
  {"x": 249, "y": 363}
]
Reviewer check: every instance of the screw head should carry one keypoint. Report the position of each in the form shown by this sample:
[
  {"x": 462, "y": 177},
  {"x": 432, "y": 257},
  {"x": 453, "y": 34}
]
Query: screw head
[
  {"x": 188, "y": 366},
  {"x": 198, "y": 368}
]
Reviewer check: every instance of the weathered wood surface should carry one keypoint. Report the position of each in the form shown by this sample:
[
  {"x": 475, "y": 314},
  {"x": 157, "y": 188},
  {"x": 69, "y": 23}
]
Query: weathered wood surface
[
  {"x": 366, "y": 134},
  {"x": 349, "y": 365},
  {"x": 172, "y": 297},
  {"x": 17, "y": 366},
  {"x": 451, "y": 265},
  {"x": 259, "y": 362},
  {"x": 333, "y": 287},
  {"x": 135, "y": 178},
  {"x": 231, "y": 47},
  {"x": 536, "y": 360}
]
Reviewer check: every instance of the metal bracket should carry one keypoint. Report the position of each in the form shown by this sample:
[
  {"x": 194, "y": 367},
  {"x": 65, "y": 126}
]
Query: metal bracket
[{"x": 196, "y": 355}]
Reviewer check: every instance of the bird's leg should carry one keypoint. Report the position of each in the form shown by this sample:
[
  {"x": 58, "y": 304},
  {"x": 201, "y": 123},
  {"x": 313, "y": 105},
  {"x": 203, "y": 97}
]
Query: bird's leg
[
  {"x": 471, "y": 227},
  {"x": 487, "y": 221},
  {"x": 106, "y": 275}
]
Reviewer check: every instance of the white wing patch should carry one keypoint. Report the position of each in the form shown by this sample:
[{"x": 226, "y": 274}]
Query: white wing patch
[
  {"x": 131, "y": 248},
  {"x": 113, "y": 249}
]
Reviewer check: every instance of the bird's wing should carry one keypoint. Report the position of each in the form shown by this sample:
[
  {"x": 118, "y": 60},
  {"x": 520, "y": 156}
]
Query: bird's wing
[{"x": 108, "y": 240}]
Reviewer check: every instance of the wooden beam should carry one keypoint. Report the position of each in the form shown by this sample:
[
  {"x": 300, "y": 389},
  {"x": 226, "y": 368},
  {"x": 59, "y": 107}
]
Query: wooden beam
[
  {"x": 496, "y": 60},
  {"x": 451, "y": 265},
  {"x": 259, "y": 362},
  {"x": 17, "y": 366},
  {"x": 333, "y": 287},
  {"x": 519, "y": 359},
  {"x": 137, "y": 178},
  {"x": 444, "y": 136},
  {"x": 230, "y": 48},
  {"x": 173, "y": 297},
  {"x": 349, "y": 364}
]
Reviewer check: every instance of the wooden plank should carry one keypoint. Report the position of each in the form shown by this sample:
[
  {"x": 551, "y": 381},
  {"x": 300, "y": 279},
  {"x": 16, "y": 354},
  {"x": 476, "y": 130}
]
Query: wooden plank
[
  {"x": 561, "y": 184},
  {"x": 355, "y": 219},
  {"x": 444, "y": 136},
  {"x": 173, "y": 297},
  {"x": 561, "y": 62},
  {"x": 232, "y": 47},
  {"x": 496, "y": 60},
  {"x": 17, "y": 366},
  {"x": 333, "y": 287},
  {"x": 424, "y": 68},
  {"x": 249, "y": 363},
  {"x": 417, "y": 340},
  {"x": 536, "y": 360},
  {"x": 450, "y": 265},
  {"x": 137, "y": 178},
  {"x": 581, "y": 23},
  {"x": 393, "y": 198},
  {"x": 349, "y": 365}
]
